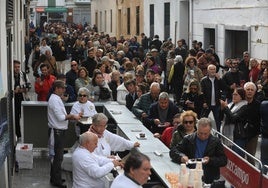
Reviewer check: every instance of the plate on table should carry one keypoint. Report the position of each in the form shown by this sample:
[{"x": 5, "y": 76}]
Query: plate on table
[
  {"x": 85, "y": 120},
  {"x": 116, "y": 112},
  {"x": 141, "y": 137}
]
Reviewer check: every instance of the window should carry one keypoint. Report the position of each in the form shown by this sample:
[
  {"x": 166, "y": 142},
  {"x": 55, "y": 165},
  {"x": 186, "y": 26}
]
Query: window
[
  {"x": 128, "y": 21},
  {"x": 137, "y": 20},
  {"x": 111, "y": 20},
  {"x": 105, "y": 21},
  {"x": 167, "y": 20},
  {"x": 51, "y": 3},
  {"x": 151, "y": 20}
]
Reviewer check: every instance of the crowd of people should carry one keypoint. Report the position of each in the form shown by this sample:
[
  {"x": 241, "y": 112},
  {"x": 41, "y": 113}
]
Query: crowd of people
[{"x": 142, "y": 75}]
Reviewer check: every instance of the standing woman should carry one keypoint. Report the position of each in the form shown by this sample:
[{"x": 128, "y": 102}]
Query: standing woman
[
  {"x": 60, "y": 54},
  {"x": 83, "y": 79},
  {"x": 191, "y": 72},
  {"x": 99, "y": 89},
  {"x": 176, "y": 79},
  {"x": 254, "y": 71},
  {"x": 192, "y": 98},
  {"x": 233, "y": 118}
]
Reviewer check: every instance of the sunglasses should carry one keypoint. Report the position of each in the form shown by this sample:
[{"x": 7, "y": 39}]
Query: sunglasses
[
  {"x": 82, "y": 95},
  {"x": 186, "y": 122},
  {"x": 74, "y": 65}
]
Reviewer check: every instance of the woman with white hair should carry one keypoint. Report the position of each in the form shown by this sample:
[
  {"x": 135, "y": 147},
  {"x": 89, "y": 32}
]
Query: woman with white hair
[
  {"x": 176, "y": 77},
  {"x": 84, "y": 106}
]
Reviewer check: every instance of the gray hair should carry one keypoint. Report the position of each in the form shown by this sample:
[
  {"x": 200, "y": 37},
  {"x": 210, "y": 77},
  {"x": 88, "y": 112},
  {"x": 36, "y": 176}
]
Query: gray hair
[
  {"x": 97, "y": 118},
  {"x": 105, "y": 59},
  {"x": 155, "y": 84},
  {"x": 203, "y": 122},
  {"x": 247, "y": 84},
  {"x": 83, "y": 90},
  {"x": 163, "y": 95}
]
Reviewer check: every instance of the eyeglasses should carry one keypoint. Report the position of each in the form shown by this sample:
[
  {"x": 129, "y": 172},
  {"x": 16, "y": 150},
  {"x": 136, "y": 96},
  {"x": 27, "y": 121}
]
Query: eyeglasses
[
  {"x": 82, "y": 95},
  {"x": 73, "y": 65},
  {"x": 263, "y": 64},
  {"x": 186, "y": 122}
]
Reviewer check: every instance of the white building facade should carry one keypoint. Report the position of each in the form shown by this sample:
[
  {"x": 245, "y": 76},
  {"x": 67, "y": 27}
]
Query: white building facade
[
  {"x": 12, "y": 33},
  {"x": 166, "y": 18},
  {"x": 71, "y": 11},
  {"x": 104, "y": 15},
  {"x": 231, "y": 26}
]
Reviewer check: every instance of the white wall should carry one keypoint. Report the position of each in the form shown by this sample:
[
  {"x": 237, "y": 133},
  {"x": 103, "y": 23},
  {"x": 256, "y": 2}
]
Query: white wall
[
  {"x": 244, "y": 14},
  {"x": 100, "y": 6},
  {"x": 3, "y": 51},
  {"x": 178, "y": 14}
]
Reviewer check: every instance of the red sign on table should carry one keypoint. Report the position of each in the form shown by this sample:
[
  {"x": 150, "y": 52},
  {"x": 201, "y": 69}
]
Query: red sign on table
[{"x": 239, "y": 172}]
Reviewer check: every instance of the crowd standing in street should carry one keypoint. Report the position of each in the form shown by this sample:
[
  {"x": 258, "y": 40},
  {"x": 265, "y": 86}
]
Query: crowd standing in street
[{"x": 124, "y": 70}]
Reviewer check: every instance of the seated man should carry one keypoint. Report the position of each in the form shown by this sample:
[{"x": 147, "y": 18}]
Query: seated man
[
  {"x": 137, "y": 170},
  {"x": 132, "y": 94},
  {"x": 201, "y": 144},
  {"x": 161, "y": 114},
  {"x": 89, "y": 168},
  {"x": 141, "y": 107}
]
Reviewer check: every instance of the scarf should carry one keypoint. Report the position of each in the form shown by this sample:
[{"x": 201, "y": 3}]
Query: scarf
[{"x": 228, "y": 129}]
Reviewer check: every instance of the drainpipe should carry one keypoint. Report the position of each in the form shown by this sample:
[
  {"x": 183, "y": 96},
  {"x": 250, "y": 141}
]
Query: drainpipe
[{"x": 190, "y": 23}]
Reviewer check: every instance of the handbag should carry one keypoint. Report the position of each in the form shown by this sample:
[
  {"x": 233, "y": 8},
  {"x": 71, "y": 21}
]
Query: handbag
[{"x": 241, "y": 130}]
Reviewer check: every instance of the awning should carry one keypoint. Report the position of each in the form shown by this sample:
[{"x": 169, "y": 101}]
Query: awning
[{"x": 55, "y": 9}]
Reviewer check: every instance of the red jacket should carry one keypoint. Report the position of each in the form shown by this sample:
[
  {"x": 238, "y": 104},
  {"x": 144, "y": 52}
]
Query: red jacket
[
  {"x": 43, "y": 90},
  {"x": 253, "y": 74}
]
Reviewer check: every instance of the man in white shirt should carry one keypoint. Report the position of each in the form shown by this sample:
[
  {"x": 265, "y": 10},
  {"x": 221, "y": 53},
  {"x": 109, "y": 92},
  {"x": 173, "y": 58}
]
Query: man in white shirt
[
  {"x": 89, "y": 169},
  {"x": 137, "y": 170},
  {"x": 58, "y": 124},
  {"x": 108, "y": 141}
]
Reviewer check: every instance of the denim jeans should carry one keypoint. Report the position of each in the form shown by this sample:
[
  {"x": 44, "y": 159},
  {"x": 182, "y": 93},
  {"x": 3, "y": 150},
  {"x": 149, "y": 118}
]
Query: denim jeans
[
  {"x": 241, "y": 142},
  {"x": 264, "y": 153},
  {"x": 55, "y": 171}
]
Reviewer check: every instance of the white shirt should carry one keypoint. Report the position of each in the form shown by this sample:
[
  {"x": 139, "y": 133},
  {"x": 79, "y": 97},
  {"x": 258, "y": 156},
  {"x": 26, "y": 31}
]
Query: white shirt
[
  {"x": 213, "y": 101},
  {"x": 43, "y": 49},
  {"x": 87, "y": 108},
  {"x": 56, "y": 113},
  {"x": 89, "y": 169},
  {"x": 121, "y": 94},
  {"x": 112, "y": 142},
  {"x": 123, "y": 181}
]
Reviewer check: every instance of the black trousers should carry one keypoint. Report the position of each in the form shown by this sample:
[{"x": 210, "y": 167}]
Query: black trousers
[{"x": 55, "y": 171}]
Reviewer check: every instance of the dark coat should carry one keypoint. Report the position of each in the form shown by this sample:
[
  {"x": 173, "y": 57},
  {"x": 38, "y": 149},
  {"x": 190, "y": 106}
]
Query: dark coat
[
  {"x": 206, "y": 87},
  {"x": 154, "y": 114},
  {"x": 130, "y": 100},
  {"x": 90, "y": 64},
  {"x": 214, "y": 151}
]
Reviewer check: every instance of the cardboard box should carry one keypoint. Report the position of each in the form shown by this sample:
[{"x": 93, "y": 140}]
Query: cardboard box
[{"x": 24, "y": 155}]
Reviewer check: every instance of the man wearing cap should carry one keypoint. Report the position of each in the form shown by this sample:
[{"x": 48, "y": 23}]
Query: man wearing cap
[
  {"x": 58, "y": 124},
  {"x": 156, "y": 43}
]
